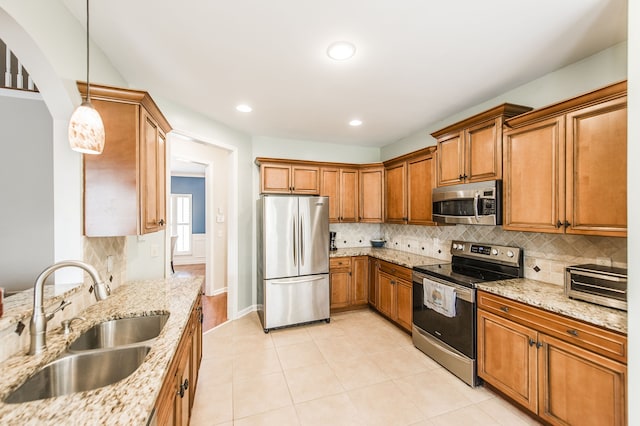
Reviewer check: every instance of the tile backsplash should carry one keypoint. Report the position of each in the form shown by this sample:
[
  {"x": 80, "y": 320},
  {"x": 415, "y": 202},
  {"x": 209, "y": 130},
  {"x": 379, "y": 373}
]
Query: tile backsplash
[
  {"x": 96, "y": 251},
  {"x": 551, "y": 253}
]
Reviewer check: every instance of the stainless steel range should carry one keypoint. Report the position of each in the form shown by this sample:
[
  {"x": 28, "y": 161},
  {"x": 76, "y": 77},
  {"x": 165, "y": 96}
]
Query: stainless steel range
[{"x": 444, "y": 302}]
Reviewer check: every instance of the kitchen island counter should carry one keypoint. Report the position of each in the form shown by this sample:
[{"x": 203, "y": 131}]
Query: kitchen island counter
[
  {"x": 128, "y": 402},
  {"x": 551, "y": 298}
]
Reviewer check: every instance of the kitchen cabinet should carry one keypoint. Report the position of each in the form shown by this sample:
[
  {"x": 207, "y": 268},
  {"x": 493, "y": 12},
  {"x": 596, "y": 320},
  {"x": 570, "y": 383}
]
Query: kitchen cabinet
[
  {"x": 550, "y": 364},
  {"x": 175, "y": 399},
  {"x": 281, "y": 177},
  {"x": 349, "y": 281},
  {"x": 341, "y": 186},
  {"x": 371, "y": 194},
  {"x": 124, "y": 187},
  {"x": 394, "y": 293},
  {"x": 565, "y": 162},
  {"x": 408, "y": 185},
  {"x": 471, "y": 150}
]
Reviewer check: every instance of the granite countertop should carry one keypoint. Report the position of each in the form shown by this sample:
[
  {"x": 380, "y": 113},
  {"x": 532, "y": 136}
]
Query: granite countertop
[
  {"x": 128, "y": 402},
  {"x": 551, "y": 298},
  {"x": 398, "y": 257}
]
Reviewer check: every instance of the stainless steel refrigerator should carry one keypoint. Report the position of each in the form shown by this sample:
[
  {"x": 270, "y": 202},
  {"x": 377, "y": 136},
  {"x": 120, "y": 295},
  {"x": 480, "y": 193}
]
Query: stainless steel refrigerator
[{"x": 293, "y": 260}]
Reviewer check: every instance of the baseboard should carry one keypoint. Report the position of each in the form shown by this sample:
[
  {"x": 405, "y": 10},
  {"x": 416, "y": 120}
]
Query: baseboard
[
  {"x": 246, "y": 311},
  {"x": 188, "y": 260},
  {"x": 219, "y": 291}
]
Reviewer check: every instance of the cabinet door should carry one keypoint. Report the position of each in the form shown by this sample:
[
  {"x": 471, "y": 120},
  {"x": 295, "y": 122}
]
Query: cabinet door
[
  {"x": 348, "y": 195},
  {"x": 386, "y": 294},
  {"x": 340, "y": 281},
  {"x": 183, "y": 398},
  {"x": 395, "y": 178},
  {"x": 483, "y": 151},
  {"x": 580, "y": 387},
  {"x": 597, "y": 169},
  {"x": 152, "y": 183},
  {"x": 330, "y": 187},
  {"x": 371, "y": 195},
  {"x": 507, "y": 358},
  {"x": 305, "y": 180},
  {"x": 420, "y": 172},
  {"x": 275, "y": 179},
  {"x": 360, "y": 280},
  {"x": 404, "y": 304},
  {"x": 534, "y": 179},
  {"x": 450, "y": 159},
  {"x": 373, "y": 282}
]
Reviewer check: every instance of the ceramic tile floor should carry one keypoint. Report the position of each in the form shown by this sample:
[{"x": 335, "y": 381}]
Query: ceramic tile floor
[{"x": 358, "y": 370}]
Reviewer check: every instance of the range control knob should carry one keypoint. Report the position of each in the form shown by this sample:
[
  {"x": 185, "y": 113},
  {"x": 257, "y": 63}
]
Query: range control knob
[
  {"x": 510, "y": 253},
  {"x": 494, "y": 252},
  {"x": 457, "y": 246}
]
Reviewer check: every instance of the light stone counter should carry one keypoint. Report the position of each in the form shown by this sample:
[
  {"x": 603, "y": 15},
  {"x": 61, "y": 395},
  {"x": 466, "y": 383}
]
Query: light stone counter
[
  {"x": 551, "y": 297},
  {"x": 128, "y": 402},
  {"x": 403, "y": 258}
]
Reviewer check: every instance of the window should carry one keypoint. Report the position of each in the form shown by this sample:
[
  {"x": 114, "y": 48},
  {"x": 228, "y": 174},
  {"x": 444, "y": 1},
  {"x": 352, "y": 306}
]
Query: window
[{"x": 181, "y": 222}]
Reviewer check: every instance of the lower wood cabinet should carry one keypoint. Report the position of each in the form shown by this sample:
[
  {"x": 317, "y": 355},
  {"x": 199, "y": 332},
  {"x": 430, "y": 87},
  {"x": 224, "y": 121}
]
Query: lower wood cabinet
[
  {"x": 175, "y": 400},
  {"x": 349, "y": 281},
  {"x": 564, "y": 371},
  {"x": 394, "y": 293}
]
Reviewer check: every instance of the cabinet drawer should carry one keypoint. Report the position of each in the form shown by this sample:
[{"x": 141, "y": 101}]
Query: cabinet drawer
[
  {"x": 396, "y": 270},
  {"x": 339, "y": 262},
  {"x": 595, "y": 339}
]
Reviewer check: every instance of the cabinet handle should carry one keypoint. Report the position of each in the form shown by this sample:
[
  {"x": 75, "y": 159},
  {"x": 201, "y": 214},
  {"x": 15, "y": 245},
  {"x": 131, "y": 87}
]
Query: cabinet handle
[
  {"x": 504, "y": 308},
  {"x": 459, "y": 177},
  {"x": 573, "y": 332},
  {"x": 392, "y": 282},
  {"x": 558, "y": 224},
  {"x": 538, "y": 345},
  {"x": 464, "y": 176},
  {"x": 161, "y": 222},
  {"x": 567, "y": 224},
  {"x": 531, "y": 342}
]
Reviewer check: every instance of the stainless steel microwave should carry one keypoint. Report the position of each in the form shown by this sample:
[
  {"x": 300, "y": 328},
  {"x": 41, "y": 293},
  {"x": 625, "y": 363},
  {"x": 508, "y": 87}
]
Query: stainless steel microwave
[{"x": 478, "y": 203}]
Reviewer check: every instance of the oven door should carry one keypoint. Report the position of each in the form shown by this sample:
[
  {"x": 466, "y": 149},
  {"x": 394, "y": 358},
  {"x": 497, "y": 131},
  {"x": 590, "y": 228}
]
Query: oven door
[{"x": 458, "y": 332}]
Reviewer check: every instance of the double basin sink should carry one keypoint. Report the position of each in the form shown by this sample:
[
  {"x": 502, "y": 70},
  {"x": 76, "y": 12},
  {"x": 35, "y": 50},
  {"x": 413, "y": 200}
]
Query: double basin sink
[{"x": 103, "y": 355}]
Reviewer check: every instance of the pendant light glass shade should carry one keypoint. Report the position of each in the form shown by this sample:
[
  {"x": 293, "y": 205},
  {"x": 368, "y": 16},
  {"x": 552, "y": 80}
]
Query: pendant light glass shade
[{"x": 86, "y": 130}]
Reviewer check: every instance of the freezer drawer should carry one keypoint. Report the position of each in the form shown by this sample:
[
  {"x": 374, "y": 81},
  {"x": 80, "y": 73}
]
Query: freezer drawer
[{"x": 289, "y": 301}]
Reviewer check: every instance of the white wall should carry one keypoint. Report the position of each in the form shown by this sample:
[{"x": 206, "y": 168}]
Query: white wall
[
  {"x": 594, "y": 72},
  {"x": 314, "y": 151},
  {"x": 633, "y": 200},
  {"x": 26, "y": 215}
]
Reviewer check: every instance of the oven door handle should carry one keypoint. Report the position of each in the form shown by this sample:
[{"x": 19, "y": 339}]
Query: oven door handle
[
  {"x": 476, "y": 199},
  {"x": 464, "y": 293}
]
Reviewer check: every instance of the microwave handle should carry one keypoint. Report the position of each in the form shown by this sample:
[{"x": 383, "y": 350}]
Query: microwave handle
[{"x": 476, "y": 198}]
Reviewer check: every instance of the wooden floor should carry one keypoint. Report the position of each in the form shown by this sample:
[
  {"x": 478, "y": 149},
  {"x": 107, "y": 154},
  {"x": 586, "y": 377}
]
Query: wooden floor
[{"x": 214, "y": 308}]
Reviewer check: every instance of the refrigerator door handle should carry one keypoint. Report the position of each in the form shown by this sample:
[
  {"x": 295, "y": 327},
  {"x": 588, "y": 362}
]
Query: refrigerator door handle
[
  {"x": 301, "y": 241},
  {"x": 295, "y": 258},
  {"x": 300, "y": 281}
]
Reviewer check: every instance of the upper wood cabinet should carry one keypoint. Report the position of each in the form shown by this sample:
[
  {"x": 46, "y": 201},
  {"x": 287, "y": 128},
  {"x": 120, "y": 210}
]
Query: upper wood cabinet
[
  {"x": 565, "y": 166},
  {"x": 341, "y": 186},
  {"x": 408, "y": 184},
  {"x": 289, "y": 178},
  {"x": 124, "y": 187},
  {"x": 371, "y": 194},
  {"x": 471, "y": 150},
  {"x": 355, "y": 191}
]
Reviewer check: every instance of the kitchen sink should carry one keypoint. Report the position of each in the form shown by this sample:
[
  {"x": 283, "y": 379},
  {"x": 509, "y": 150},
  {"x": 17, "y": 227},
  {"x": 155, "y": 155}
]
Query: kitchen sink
[
  {"x": 120, "y": 332},
  {"x": 80, "y": 372}
]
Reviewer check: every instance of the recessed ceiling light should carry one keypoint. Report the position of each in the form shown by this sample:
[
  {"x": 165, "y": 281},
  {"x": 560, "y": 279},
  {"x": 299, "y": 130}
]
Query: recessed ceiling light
[
  {"x": 341, "y": 50},
  {"x": 244, "y": 108},
  {"x": 355, "y": 123}
]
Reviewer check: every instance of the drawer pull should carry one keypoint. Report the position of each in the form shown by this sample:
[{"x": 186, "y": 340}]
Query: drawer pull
[
  {"x": 573, "y": 332},
  {"x": 531, "y": 342},
  {"x": 504, "y": 308},
  {"x": 538, "y": 345}
]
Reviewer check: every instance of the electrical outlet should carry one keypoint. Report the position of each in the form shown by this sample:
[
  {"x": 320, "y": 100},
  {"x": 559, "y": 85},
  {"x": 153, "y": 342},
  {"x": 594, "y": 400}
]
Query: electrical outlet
[{"x": 109, "y": 264}]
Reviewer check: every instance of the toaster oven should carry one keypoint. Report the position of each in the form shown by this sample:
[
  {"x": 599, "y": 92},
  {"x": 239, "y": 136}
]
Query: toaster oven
[{"x": 602, "y": 285}]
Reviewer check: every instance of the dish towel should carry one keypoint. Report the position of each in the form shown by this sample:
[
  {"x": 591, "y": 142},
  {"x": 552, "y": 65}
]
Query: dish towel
[{"x": 440, "y": 298}]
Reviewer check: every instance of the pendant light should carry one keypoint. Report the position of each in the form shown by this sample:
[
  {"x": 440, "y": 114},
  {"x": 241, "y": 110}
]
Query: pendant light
[{"x": 86, "y": 130}]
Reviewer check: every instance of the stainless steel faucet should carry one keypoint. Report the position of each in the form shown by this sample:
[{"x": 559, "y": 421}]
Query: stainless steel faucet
[{"x": 38, "y": 324}]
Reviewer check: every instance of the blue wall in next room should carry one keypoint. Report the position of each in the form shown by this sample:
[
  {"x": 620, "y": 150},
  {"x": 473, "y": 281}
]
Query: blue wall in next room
[{"x": 195, "y": 187}]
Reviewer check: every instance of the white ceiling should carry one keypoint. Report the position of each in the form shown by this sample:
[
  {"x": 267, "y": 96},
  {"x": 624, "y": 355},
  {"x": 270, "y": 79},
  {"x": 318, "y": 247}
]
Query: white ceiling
[{"x": 417, "y": 61}]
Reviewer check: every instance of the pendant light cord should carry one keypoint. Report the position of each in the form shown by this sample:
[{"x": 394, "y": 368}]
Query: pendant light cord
[{"x": 88, "y": 86}]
